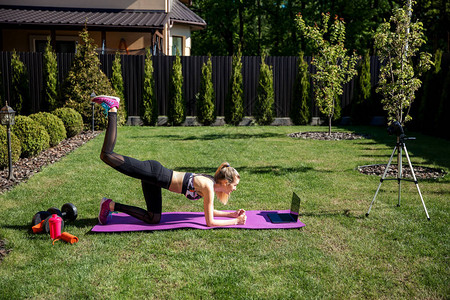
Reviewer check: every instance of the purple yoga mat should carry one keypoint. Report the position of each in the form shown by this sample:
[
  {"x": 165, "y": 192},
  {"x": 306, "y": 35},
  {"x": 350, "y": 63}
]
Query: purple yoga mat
[{"x": 256, "y": 219}]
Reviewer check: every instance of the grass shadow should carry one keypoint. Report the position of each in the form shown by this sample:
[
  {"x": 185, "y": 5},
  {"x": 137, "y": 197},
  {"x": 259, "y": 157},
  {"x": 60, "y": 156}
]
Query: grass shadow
[
  {"x": 275, "y": 170},
  {"x": 230, "y": 136}
]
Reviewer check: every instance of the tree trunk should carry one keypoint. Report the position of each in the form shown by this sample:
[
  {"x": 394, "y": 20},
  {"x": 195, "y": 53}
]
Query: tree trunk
[{"x": 329, "y": 124}]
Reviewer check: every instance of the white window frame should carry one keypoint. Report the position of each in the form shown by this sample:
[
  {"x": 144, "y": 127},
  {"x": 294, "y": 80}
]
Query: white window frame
[{"x": 34, "y": 38}]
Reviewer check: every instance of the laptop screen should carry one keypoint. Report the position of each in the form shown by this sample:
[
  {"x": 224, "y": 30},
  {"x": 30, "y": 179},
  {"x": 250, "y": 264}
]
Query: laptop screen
[{"x": 295, "y": 205}]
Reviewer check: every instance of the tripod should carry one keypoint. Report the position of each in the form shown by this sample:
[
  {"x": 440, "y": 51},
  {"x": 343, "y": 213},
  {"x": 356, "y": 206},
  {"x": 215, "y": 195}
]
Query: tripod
[{"x": 399, "y": 147}]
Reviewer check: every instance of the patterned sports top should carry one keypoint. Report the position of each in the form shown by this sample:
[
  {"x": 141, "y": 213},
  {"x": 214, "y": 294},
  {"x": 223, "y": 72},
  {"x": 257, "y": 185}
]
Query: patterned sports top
[{"x": 188, "y": 188}]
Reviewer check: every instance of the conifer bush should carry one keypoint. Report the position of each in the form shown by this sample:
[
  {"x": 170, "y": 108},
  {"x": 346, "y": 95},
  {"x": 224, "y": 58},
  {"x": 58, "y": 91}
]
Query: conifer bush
[
  {"x": 300, "y": 112},
  {"x": 54, "y": 126},
  {"x": 264, "y": 113},
  {"x": 363, "y": 92},
  {"x": 177, "y": 114},
  {"x": 117, "y": 82},
  {"x": 72, "y": 120},
  {"x": 206, "y": 112},
  {"x": 84, "y": 78},
  {"x": 33, "y": 136},
  {"x": 20, "y": 86},
  {"x": 149, "y": 108},
  {"x": 15, "y": 147},
  {"x": 50, "y": 79},
  {"x": 234, "y": 103}
]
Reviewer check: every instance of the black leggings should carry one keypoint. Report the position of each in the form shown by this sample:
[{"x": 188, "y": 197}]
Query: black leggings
[{"x": 152, "y": 174}]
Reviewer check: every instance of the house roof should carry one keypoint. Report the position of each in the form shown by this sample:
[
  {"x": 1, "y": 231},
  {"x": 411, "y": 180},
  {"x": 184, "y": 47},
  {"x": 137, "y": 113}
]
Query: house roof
[
  {"x": 181, "y": 14},
  {"x": 96, "y": 18}
]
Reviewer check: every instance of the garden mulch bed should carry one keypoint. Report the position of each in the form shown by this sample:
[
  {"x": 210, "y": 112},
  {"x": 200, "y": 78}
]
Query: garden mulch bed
[
  {"x": 27, "y": 167},
  {"x": 421, "y": 172},
  {"x": 334, "y": 136}
]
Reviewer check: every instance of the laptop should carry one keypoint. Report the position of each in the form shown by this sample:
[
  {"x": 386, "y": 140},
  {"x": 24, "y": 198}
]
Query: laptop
[{"x": 290, "y": 217}]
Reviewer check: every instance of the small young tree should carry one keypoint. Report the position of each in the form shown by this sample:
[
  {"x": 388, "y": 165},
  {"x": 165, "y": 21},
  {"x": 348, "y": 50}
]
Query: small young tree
[
  {"x": 20, "y": 87},
  {"x": 84, "y": 78},
  {"x": 149, "y": 108},
  {"x": 50, "y": 72},
  {"x": 300, "y": 111},
  {"x": 360, "y": 107},
  {"x": 234, "y": 106},
  {"x": 265, "y": 100},
  {"x": 399, "y": 77},
  {"x": 334, "y": 67},
  {"x": 177, "y": 113},
  {"x": 206, "y": 111}
]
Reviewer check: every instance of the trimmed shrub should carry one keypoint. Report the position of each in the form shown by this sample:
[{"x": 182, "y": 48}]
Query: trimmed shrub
[
  {"x": 234, "y": 103},
  {"x": 54, "y": 126},
  {"x": 72, "y": 120},
  {"x": 16, "y": 148},
  {"x": 177, "y": 113},
  {"x": 33, "y": 136},
  {"x": 266, "y": 96},
  {"x": 300, "y": 111},
  {"x": 85, "y": 78},
  {"x": 149, "y": 108},
  {"x": 117, "y": 82},
  {"x": 206, "y": 112}
]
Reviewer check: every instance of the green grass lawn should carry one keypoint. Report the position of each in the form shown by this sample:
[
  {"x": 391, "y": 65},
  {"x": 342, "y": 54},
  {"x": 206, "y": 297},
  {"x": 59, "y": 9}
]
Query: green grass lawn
[{"x": 340, "y": 254}]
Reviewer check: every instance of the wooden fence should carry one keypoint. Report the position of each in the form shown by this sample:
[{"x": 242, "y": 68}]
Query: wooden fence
[{"x": 284, "y": 71}]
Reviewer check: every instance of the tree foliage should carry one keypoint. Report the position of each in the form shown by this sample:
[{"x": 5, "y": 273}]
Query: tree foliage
[
  {"x": 206, "y": 111},
  {"x": 300, "y": 111},
  {"x": 397, "y": 42},
  {"x": 20, "y": 87},
  {"x": 258, "y": 26},
  {"x": 265, "y": 99},
  {"x": 117, "y": 78},
  {"x": 333, "y": 66},
  {"x": 363, "y": 92},
  {"x": 50, "y": 79},
  {"x": 84, "y": 78},
  {"x": 177, "y": 111},
  {"x": 149, "y": 109},
  {"x": 234, "y": 102}
]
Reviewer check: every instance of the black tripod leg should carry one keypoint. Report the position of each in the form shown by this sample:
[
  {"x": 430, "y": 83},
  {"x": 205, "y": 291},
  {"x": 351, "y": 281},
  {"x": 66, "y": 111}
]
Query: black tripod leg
[
  {"x": 415, "y": 181},
  {"x": 381, "y": 180}
]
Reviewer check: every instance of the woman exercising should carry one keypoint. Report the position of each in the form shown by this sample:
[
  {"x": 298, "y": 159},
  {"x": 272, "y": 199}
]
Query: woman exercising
[{"x": 154, "y": 176}]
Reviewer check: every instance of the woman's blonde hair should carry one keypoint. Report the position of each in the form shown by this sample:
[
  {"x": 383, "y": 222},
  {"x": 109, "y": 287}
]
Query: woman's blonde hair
[{"x": 228, "y": 173}]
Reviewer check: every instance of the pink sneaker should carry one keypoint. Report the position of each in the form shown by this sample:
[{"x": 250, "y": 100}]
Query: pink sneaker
[
  {"x": 104, "y": 211},
  {"x": 107, "y": 102}
]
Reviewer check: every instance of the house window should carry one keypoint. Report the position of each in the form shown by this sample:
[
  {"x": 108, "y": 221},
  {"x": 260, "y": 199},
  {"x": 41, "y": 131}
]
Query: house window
[
  {"x": 64, "y": 44},
  {"x": 177, "y": 45}
]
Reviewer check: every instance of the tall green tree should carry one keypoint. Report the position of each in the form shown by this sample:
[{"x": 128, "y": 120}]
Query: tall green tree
[
  {"x": 20, "y": 86},
  {"x": 397, "y": 42},
  {"x": 149, "y": 109},
  {"x": 206, "y": 111},
  {"x": 234, "y": 102},
  {"x": 334, "y": 67},
  {"x": 265, "y": 99},
  {"x": 84, "y": 78},
  {"x": 177, "y": 105},
  {"x": 50, "y": 79},
  {"x": 300, "y": 111}
]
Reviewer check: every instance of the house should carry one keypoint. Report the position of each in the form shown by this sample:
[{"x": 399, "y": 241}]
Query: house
[{"x": 129, "y": 26}]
